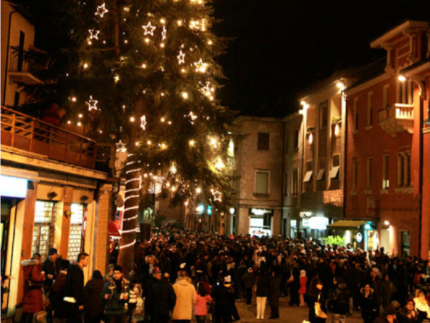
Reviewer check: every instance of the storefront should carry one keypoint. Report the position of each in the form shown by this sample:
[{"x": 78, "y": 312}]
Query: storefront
[
  {"x": 260, "y": 223},
  {"x": 359, "y": 233}
]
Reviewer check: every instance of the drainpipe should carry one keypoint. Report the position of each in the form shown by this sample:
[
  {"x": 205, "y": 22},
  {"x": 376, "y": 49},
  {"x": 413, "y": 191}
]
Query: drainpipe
[{"x": 7, "y": 57}]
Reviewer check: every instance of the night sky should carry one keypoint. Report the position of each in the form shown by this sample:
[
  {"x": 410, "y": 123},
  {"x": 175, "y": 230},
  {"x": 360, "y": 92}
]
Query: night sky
[{"x": 282, "y": 46}]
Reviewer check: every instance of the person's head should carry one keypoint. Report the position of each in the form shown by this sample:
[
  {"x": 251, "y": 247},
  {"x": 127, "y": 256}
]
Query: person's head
[
  {"x": 151, "y": 260},
  {"x": 36, "y": 256},
  {"x": 420, "y": 294},
  {"x": 53, "y": 255},
  {"x": 409, "y": 304},
  {"x": 319, "y": 284},
  {"x": 157, "y": 273},
  {"x": 166, "y": 277},
  {"x": 202, "y": 290},
  {"x": 97, "y": 274},
  {"x": 117, "y": 272},
  {"x": 110, "y": 268},
  {"x": 391, "y": 313},
  {"x": 83, "y": 259}
]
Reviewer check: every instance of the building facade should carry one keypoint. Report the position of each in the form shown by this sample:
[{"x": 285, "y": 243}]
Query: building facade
[{"x": 386, "y": 159}]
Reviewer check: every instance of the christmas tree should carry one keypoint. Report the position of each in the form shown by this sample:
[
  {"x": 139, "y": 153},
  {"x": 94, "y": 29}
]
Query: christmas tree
[{"x": 142, "y": 74}]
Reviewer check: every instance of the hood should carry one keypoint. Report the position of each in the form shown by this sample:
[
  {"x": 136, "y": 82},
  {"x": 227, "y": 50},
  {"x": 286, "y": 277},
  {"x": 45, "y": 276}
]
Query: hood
[{"x": 184, "y": 281}]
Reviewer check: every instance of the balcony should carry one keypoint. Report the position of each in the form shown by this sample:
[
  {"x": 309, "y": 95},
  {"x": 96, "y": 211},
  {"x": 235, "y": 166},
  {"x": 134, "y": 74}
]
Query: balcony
[
  {"x": 21, "y": 72},
  {"x": 397, "y": 118},
  {"x": 33, "y": 135}
]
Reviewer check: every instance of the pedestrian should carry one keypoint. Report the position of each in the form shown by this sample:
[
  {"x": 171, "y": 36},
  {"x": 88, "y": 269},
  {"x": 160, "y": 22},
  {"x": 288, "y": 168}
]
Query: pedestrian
[
  {"x": 109, "y": 274},
  {"x": 56, "y": 296},
  {"x": 135, "y": 291},
  {"x": 317, "y": 309},
  {"x": 186, "y": 297},
  {"x": 408, "y": 314},
  {"x": 389, "y": 316},
  {"x": 262, "y": 286},
  {"x": 115, "y": 296},
  {"x": 201, "y": 307},
  {"x": 93, "y": 305},
  {"x": 369, "y": 307},
  {"x": 51, "y": 267},
  {"x": 33, "y": 283},
  {"x": 340, "y": 301},
  {"x": 302, "y": 289},
  {"x": 161, "y": 299},
  {"x": 388, "y": 289},
  {"x": 232, "y": 305},
  {"x": 274, "y": 293},
  {"x": 74, "y": 289},
  {"x": 294, "y": 283},
  {"x": 249, "y": 282},
  {"x": 421, "y": 306},
  {"x": 223, "y": 298}
]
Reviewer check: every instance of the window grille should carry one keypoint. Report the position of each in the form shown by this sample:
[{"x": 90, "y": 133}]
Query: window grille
[
  {"x": 76, "y": 240},
  {"x": 44, "y": 227}
]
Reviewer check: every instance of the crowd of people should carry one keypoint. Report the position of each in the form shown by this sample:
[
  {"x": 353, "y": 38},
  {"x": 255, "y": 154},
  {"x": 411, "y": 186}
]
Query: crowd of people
[{"x": 181, "y": 275}]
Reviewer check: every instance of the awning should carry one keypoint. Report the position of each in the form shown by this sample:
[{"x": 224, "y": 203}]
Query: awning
[
  {"x": 113, "y": 229},
  {"x": 347, "y": 224}
]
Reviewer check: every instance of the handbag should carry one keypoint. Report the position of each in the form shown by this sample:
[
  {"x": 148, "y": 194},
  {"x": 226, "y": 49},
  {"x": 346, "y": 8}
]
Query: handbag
[{"x": 318, "y": 311}]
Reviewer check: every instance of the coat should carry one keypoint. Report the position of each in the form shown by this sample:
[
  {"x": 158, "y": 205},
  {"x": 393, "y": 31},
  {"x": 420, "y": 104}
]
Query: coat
[
  {"x": 57, "y": 294},
  {"x": 33, "y": 297},
  {"x": 74, "y": 285},
  {"x": 369, "y": 306},
  {"x": 274, "y": 291},
  {"x": 248, "y": 280},
  {"x": 224, "y": 299},
  {"x": 186, "y": 297},
  {"x": 262, "y": 286},
  {"x": 114, "y": 305},
  {"x": 161, "y": 298},
  {"x": 93, "y": 304}
]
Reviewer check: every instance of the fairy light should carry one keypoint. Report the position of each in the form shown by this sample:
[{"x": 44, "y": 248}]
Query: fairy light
[
  {"x": 126, "y": 9},
  {"x": 94, "y": 34},
  {"x": 149, "y": 142},
  {"x": 79, "y": 124},
  {"x": 132, "y": 197},
  {"x": 219, "y": 164},
  {"x": 192, "y": 143},
  {"x": 143, "y": 65},
  {"x": 210, "y": 42},
  {"x": 201, "y": 67},
  {"x": 163, "y": 146},
  {"x": 85, "y": 66},
  {"x": 162, "y": 119},
  {"x": 132, "y": 119},
  {"x": 74, "y": 99},
  {"x": 143, "y": 122},
  {"x": 198, "y": 190},
  {"x": 173, "y": 169},
  {"x": 149, "y": 29},
  {"x": 179, "y": 22},
  {"x": 80, "y": 115},
  {"x": 184, "y": 95},
  {"x": 69, "y": 122},
  {"x": 163, "y": 21},
  {"x": 162, "y": 45},
  {"x": 147, "y": 40},
  {"x": 128, "y": 245},
  {"x": 164, "y": 33},
  {"x": 181, "y": 58},
  {"x": 116, "y": 78},
  {"x": 128, "y": 231}
]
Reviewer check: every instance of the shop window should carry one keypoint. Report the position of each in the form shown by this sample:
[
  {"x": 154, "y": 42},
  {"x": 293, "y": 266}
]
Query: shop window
[
  {"x": 76, "y": 238},
  {"x": 44, "y": 227},
  {"x": 263, "y": 141},
  {"x": 262, "y": 183},
  {"x": 385, "y": 169}
]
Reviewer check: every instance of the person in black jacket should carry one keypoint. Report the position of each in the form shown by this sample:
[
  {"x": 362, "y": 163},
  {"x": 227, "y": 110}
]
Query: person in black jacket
[
  {"x": 74, "y": 289},
  {"x": 319, "y": 300},
  {"x": 223, "y": 298},
  {"x": 51, "y": 267},
  {"x": 93, "y": 306},
  {"x": 56, "y": 295},
  {"x": 160, "y": 300},
  {"x": 340, "y": 301},
  {"x": 262, "y": 292}
]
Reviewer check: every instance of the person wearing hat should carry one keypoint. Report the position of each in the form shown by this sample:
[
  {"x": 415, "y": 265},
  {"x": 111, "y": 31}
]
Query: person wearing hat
[
  {"x": 389, "y": 316},
  {"x": 161, "y": 299},
  {"x": 223, "y": 297}
]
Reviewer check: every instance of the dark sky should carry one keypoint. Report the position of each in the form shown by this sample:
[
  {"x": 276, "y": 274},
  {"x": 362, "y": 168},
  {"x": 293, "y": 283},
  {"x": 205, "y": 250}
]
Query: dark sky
[{"x": 282, "y": 46}]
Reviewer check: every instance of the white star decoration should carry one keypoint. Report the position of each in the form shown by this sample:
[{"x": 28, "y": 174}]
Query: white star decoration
[
  {"x": 192, "y": 116},
  {"x": 217, "y": 195},
  {"x": 149, "y": 29},
  {"x": 181, "y": 58},
  {"x": 120, "y": 146},
  {"x": 200, "y": 66},
  {"x": 92, "y": 104},
  {"x": 101, "y": 10},
  {"x": 94, "y": 34},
  {"x": 164, "y": 33},
  {"x": 143, "y": 122}
]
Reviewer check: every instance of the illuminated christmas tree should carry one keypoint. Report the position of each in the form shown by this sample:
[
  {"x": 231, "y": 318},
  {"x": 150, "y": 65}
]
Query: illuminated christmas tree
[{"x": 143, "y": 75}]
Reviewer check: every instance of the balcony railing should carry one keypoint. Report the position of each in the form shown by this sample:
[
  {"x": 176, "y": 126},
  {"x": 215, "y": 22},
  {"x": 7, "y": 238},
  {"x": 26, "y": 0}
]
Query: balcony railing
[
  {"x": 404, "y": 111},
  {"x": 397, "y": 118},
  {"x": 24, "y": 132}
]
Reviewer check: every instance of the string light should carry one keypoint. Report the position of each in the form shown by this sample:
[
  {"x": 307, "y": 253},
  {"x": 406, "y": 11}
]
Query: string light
[
  {"x": 74, "y": 99},
  {"x": 185, "y": 95},
  {"x": 128, "y": 245},
  {"x": 143, "y": 122},
  {"x": 198, "y": 190},
  {"x": 101, "y": 10},
  {"x": 116, "y": 78},
  {"x": 192, "y": 142},
  {"x": 217, "y": 195},
  {"x": 149, "y": 142},
  {"x": 181, "y": 58},
  {"x": 143, "y": 65},
  {"x": 164, "y": 34},
  {"x": 69, "y": 122},
  {"x": 173, "y": 169},
  {"x": 149, "y": 29},
  {"x": 132, "y": 119},
  {"x": 219, "y": 164},
  {"x": 79, "y": 124},
  {"x": 179, "y": 22},
  {"x": 80, "y": 115},
  {"x": 120, "y": 147},
  {"x": 200, "y": 66},
  {"x": 85, "y": 66}
]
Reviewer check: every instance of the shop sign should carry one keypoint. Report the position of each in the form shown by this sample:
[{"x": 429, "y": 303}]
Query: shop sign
[
  {"x": 318, "y": 223},
  {"x": 359, "y": 237},
  {"x": 13, "y": 187},
  {"x": 260, "y": 212}
]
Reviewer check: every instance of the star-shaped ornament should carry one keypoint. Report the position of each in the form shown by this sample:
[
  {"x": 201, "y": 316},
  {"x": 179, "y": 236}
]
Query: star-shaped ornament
[
  {"x": 192, "y": 116},
  {"x": 143, "y": 122},
  {"x": 94, "y": 34},
  {"x": 200, "y": 66},
  {"x": 101, "y": 10},
  {"x": 149, "y": 29},
  {"x": 181, "y": 58},
  {"x": 120, "y": 146},
  {"x": 92, "y": 104},
  {"x": 217, "y": 195}
]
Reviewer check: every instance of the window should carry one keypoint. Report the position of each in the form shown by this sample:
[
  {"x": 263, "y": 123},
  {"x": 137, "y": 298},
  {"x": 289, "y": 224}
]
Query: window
[
  {"x": 295, "y": 184},
  {"x": 309, "y": 170},
  {"x": 20, "y": 51},
  {"x": 76, "y": 237},
  {"x": 262, "y": 183},
  {"x": 296, "y": 139},
  {"x": 335, "y": 165},
  {"x": 370, "y": 109},
  {"x": 355, "y": 115},
  {"x": 321, "y": 170},
  {"x": 369, "y": 173},
  {"x": 44, "y": 227},
  {"x": 385, "y": 169},
  {"x": 16, "y": 99},
  {"x": 263, "y": 141},
  {"x": 404, "y": 169},
  {"x": 354, "y": 174},
  {"x": 385, "y": 96},
  {"x": 405, "y": 92},
  {"x": 323, "y": 114}
]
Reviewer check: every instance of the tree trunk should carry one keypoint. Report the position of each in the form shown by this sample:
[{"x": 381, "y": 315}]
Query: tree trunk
[{"x": 131, "y": 206}]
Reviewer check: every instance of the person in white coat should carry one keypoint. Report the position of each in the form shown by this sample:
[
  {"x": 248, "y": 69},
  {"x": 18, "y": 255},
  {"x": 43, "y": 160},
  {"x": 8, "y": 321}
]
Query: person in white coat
[{"x": 186, "y": 297}]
